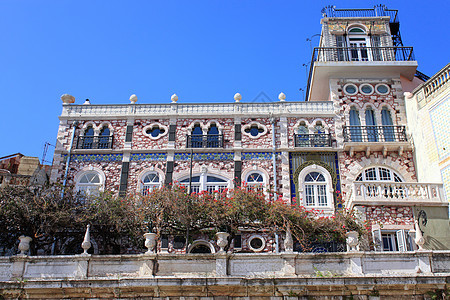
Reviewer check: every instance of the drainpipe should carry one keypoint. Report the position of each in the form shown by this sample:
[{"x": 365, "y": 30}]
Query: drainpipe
[
  {"x": 75, "y": 123},
  {"x": 274, "y": 159}
]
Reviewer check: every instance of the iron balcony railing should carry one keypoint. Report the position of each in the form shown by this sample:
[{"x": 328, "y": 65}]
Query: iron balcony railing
[
  {"x": 377, "y": 11},
  {"x": 313, "y": 140},
  {"x": 324, "y": 54},
  {"x": 204, "y": 141},
  {"x": 357, "y": 54},
  {"x": 94, "y": 142},
  {"x": 374, "y": 133}
]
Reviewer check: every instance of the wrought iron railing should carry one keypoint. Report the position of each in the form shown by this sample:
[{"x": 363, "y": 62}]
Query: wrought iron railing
[
  {"x": 324, "y": 54},
  {"x": 94, "y": 142},
  {"x": 312, "y": 140},
  {"x": 374, "y": 133},
  {"x": 204, "y": 141},
  {"x": 377, "y": 11},
  {"x": 360, "y": 54}
]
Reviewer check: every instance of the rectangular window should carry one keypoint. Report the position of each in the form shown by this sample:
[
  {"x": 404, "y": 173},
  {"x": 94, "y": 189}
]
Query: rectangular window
[{"x": 392, "y": 240}]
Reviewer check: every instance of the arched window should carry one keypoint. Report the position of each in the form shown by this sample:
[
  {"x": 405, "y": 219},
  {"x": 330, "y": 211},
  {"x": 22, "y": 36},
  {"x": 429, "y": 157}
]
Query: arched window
[
  {"x": 206, "y": 182},
  {"x": 379, "y": 174},
  {"x": 197, "y": 136},
  {"x": 372, "y": 133},
  {"x": 89, "y": 183},
  {"x": 355, "y": 126},
  {"x": 303, "y": 135},
  {"x": 315, "y": 188},
  {"x": 388, "y": 128},
  {"x": 88, "y": 139},
  {"x": 357, "y": 41},
  {"x": 213, "y": 140},
  {"x": 104, "y": 138},
  {"x": 255, "y": 181},
  {"x": 150, "y": 182}
]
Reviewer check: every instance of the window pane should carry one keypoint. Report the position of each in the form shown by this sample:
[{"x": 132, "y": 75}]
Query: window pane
[
  {"x": 371, "y": 174},
  {"x": 151, "y": 178},
  {"x": 254, "y": 177},
  {"x": 385, "y": 174},
  {"x": 214, "y": 179},
  {"x": 321, "y": 195},
  {"x": 194, "y": 179},
  {"x": 309, "y": 193}
]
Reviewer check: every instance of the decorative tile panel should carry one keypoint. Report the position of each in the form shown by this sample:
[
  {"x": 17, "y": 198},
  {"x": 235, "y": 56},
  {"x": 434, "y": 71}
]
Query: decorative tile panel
[
  {"x": 148, "y": 156},
  {"x": 95, "y": 157},
  {"x": 205, "y": 156},
  {"x": 258, "y": 155}
]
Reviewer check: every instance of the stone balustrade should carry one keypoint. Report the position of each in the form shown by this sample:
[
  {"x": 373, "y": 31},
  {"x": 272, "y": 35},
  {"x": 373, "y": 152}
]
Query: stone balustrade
[
  {"x": 396, "y": 193},
  {"x": 235, "y": 275},
  {"x": 195, "y": 109}
]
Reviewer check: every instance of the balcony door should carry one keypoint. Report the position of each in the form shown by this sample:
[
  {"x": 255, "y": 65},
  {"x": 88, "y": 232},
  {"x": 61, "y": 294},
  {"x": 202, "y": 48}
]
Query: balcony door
[{"x": 358, "y": 42}]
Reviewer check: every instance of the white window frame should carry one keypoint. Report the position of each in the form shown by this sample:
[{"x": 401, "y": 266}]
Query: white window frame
[
  {"x": 257, "y": 186},
  {"x": 377, "y": 174},
  {"x": 141, "y": 186},
  {"x": 204, "y": 185},
  {"x": 153, "y": 125},
  {"x": 90, "y": 189},
  {"x": 399, "y": 236},
  {"x": 328, "y": 188}
]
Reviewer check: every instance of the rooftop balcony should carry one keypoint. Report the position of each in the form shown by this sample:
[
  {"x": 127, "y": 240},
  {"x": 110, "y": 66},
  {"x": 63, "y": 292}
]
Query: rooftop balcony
[
  {"x": 192, "y": 110},
  {"x": 358, "y": 62},
  {"x": 396, "y": 194},
  {"x": 375, "y": 138}
]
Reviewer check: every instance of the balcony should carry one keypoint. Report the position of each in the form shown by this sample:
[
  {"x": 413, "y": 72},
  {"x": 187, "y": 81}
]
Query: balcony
[
  {"x": 396, "y": 194},
  {"x": 357, "y": 62},
  {"x": 375, "y": 138},
  {"x": 312, "y": 140},
  {"x": 94, "y": 142},
  {"x": 204, "y": 141}
]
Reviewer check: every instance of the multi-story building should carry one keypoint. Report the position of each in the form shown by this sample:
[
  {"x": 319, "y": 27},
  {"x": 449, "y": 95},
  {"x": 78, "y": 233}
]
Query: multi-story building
[{"x": 346, "y": 146}]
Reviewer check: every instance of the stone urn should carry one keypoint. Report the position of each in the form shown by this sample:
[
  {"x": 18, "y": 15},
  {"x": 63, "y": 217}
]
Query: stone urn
[
  {"x": 150, "y": 242},
  {"x": 352, "y": 241},
  {"x": 222, "y": 240},
  {"x": 24, "y": 244}
]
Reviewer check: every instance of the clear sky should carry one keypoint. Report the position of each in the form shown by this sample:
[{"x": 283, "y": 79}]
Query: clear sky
[{"x": 204, "y": 51}]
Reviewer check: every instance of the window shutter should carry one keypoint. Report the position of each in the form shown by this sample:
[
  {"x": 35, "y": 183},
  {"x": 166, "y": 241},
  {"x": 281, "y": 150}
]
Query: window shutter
[
  {"x": 401, "y": 242},
  {"x": 237, "y": 172},
  {"x": 129, "y": 134},
  {"x": 124, "y": 179},
  {"x": 169, "y": 172},
  {"x": 172, "y": 129},
  {"x": 237, "y": 132},
  {"x": 341, "y": 42},
  {"x": 377, "y": 240}
]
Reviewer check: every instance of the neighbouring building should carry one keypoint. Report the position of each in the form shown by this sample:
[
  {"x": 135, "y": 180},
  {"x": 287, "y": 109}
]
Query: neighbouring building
[
  {"x": 348, "y": 145},
  {"x": 18, "y": 169}
]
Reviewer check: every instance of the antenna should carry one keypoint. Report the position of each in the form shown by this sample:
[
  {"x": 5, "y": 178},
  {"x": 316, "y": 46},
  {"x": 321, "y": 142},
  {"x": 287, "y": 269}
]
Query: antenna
[{"x": 46, "y": 145}]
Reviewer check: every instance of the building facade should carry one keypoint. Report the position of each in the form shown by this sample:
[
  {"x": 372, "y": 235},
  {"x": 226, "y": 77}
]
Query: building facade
[{"x": 347, "y": 146}]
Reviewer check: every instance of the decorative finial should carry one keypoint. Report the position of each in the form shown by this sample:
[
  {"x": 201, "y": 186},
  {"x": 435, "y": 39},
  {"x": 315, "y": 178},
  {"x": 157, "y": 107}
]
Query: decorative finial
[
  {"x": 237, "y": 97},
  {"x": 174, "y": 98},
  {"x": 282, "y": 97},
  {"x": 67, "y": 99},
  {"x": 133, "y": 99},
  {"x": 86, "y": 244},
  {"x": 87, "y": 102}
]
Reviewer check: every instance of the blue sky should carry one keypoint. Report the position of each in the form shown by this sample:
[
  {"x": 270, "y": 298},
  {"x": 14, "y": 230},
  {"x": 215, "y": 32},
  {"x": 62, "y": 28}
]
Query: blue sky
[{"x": 205, "y": 51}]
